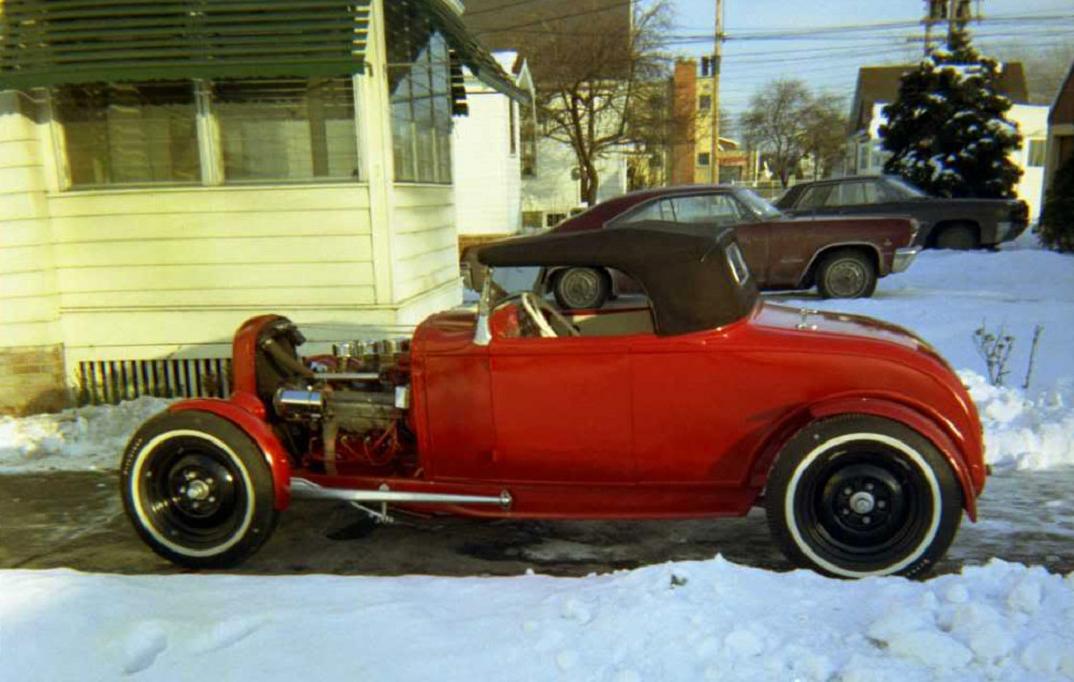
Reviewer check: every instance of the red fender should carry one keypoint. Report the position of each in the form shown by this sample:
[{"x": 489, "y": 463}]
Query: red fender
[
  {"x": 914, "y": 420},
  {"x": 246, "y": 412}
]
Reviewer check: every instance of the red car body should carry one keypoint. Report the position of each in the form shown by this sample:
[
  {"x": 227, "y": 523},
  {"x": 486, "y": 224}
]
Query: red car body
[
  {"x": 656, "y": 422},
  {"x": 575, "y": 459}
]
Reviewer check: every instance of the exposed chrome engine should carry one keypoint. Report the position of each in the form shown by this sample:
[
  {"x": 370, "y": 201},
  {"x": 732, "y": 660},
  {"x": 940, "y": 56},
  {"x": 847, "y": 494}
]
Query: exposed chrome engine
[{"x": 351, "y": 405}]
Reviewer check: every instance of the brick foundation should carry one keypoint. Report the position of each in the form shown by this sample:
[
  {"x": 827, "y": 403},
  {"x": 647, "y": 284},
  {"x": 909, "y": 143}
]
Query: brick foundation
[{"x": 32, "y": 380}]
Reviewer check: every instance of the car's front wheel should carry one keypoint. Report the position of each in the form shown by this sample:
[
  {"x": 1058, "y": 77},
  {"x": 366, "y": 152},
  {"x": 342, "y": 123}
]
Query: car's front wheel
[
  {"x": 197, "y": 490},
  {"x": 581, "y": 288},
  {"x": 846, "y": 273},
  {"x": 855, "y": 496}
]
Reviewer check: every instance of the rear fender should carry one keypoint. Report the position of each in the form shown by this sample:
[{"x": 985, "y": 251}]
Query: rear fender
[
  {"x": 253, "y": 425},
  {"x": 874, "y": 407}
]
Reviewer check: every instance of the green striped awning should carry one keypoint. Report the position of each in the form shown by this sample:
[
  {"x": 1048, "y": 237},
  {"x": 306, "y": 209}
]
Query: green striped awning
[{"x": 48, "y": 42}]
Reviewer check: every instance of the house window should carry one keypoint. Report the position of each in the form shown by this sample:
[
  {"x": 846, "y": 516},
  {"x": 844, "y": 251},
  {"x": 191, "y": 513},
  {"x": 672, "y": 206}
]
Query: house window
[
  {"x": 130, "y": 133},
  {"x": 419, "y": 85},
  {"x": 553, "y": 219},
  {"x": 301, "y": 129},
  {"x": 269, "y": 131},
  {"x": 703, "y": 159},
  {"x": 527, "y": 134},
  {"x": 1038, "y": 149},
  {"x": 704, "y": 102}
]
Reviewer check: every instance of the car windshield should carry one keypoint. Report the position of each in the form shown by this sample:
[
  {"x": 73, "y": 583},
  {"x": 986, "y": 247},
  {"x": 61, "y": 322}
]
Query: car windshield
[
  {"x": 903, "y": 188},
  {"x": 758, "y": 205}
]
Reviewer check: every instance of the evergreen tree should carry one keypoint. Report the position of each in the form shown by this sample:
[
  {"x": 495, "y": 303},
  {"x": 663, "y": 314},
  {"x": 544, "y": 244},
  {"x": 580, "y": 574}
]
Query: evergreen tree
[
  {"x": 1056, "y": 229},
  {"x": 947, "y": 131}
]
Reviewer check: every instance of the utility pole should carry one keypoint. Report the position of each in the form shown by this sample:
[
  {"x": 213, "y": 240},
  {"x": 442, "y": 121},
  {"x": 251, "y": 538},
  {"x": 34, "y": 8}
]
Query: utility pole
[
  {"x": 714, "y": 153},
  {"x": 956, "y": 13}
]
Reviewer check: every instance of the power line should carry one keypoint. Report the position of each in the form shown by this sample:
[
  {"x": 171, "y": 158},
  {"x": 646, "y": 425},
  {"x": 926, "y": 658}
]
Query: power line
[
  {"x": 499, "y": 8},
  {"x": 543, "y": 20}
]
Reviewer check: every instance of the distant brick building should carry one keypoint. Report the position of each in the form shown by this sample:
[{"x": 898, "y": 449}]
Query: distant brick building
[{"x": 692, "y": 149}]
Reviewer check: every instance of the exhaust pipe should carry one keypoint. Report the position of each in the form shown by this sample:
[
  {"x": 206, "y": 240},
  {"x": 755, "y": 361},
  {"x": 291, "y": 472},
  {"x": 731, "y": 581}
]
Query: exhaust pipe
[{"x": 301, "y": 487}]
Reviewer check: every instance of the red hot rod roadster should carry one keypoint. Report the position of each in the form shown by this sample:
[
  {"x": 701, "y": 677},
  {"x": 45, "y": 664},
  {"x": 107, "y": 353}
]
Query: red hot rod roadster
[{"x": 858, "y": 439}]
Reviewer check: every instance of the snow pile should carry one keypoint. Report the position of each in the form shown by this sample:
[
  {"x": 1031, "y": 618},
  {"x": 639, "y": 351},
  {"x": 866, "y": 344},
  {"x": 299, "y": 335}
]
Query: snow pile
[
  {"x": 1022, "y": 433},
  {"x": 90, "y": 437},
  {"x": 679, "y": 621}
]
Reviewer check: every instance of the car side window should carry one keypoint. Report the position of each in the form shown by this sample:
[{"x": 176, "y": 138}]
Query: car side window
[
  {"x": 884, "y": 193},
  {"x": 857, "y": 193},
  {"x": 815, "y": 196},
  {"x": 657, "y": 210},
  {"x": 709, "y": 209}
]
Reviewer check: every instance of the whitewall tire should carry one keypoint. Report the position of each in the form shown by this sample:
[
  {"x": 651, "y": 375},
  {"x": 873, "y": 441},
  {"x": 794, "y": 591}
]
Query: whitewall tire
[
  {"x": 197, "y": 490},
  {"x": 856, "y": 496}
]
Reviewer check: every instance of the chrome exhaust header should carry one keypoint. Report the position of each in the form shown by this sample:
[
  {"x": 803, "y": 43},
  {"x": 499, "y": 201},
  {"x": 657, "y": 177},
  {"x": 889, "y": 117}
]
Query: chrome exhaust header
[{"x": 303, "y": 488}]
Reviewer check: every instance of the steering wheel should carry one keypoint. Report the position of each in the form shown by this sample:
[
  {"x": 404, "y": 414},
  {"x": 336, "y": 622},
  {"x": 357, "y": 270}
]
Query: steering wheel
[{"x": 537, "y": 308}]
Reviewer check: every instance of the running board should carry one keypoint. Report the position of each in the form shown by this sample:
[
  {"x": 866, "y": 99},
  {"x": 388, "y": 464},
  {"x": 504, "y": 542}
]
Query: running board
[{"x": 301, "y": 487}]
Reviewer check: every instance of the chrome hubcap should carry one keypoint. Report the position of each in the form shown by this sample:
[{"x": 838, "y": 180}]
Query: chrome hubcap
[
  {"x": 580, "y": 288},
  {"x": 197, "y": 490},
  {"x": 846, "y": 278},
  {"x": 862, "y": 502}
]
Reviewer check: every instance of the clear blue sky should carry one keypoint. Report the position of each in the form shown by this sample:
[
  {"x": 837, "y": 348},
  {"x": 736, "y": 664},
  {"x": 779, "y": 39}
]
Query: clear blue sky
[{"x": 830, "y": 62}]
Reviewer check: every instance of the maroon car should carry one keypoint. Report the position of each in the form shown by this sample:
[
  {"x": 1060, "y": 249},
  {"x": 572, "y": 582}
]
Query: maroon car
[{"x": 843, "y": 257}]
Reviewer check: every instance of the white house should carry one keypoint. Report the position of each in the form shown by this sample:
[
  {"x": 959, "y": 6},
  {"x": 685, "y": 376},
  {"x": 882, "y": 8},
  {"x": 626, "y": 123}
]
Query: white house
[
  {"x": 168, "y": 170},
  {"x": 878, "y": 86},
  {"x": 488, "y": 174},
  {"x": 866, "y": 156},
  {"x": 554, "y": 192}
]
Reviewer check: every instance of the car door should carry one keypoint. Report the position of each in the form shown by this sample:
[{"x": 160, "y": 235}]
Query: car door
[
  {"x": 693, "y": 418},
  {"x": 562, "y": 409}
]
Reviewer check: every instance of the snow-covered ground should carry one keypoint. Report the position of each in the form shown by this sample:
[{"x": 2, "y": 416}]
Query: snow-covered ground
[
  {"x": 710, "y": 620},
  {"x": 681, "y": 621}
]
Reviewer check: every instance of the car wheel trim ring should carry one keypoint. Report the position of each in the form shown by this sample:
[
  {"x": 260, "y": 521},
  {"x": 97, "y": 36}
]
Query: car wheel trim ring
[
  {"x": 145, "y": 519},
  {"x": 579, "y": 287},
  {"x": 845, "y": 278},
  {"x": 915, "y": 457}
]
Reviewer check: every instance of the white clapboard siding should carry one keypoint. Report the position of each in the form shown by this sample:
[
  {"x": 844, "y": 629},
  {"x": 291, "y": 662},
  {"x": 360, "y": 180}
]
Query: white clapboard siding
[
  {"x": 488, "y": 177},
  {"x": 425, "y": 253},
  {"x": 141, "y": 270},
  {"x": 29, "y": 311}
]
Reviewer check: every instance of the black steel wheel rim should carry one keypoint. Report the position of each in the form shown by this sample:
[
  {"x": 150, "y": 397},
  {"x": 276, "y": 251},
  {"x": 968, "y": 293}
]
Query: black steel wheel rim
[
  {"x": 192, "y": 492},
  {"x": 864, "y": 505}
]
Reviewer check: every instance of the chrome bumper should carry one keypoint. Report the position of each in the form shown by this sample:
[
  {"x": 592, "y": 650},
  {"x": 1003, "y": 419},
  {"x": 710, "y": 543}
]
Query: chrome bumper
[{"x": 903, "y": 258}]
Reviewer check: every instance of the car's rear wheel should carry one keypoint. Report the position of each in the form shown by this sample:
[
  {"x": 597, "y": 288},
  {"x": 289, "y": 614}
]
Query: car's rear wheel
[
  {"x": 581, "y": 288},
  {"x": 197, "y": 490},
  {"x": 856, "y": 496},
  {"x": 846, "y": 273},
  {"x": 960, "y": 237}
]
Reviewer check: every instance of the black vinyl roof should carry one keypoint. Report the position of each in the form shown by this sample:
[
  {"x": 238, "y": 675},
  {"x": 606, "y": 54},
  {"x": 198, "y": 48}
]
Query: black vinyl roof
[{"x": 683, "y": 269}]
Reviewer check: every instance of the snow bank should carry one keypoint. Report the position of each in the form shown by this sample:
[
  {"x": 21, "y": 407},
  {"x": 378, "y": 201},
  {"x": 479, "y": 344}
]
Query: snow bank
[
  {"x": 90, "y": 437},
  {"x": 679, "y": 621},
  {"x": 1022, "y": 433}
]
